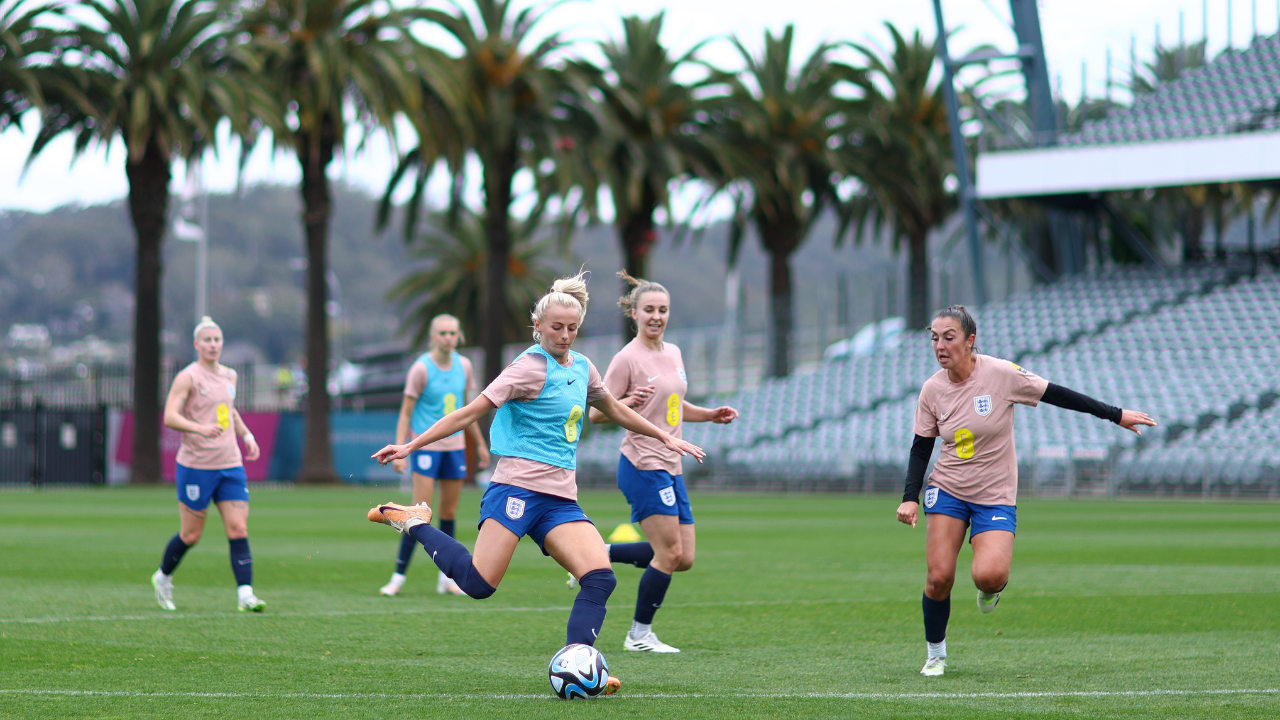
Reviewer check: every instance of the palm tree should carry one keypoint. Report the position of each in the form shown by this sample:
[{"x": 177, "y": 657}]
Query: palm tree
[
  {"x": 651, "y": 135},
  {"x": 453, "y": 282},
  {"x": 515, "y": 109},
  {"x": 159, "y": 75},
  {"x": 326, "y": 57},
  {"x": 21, "y": 35},
  {"x": 902, "y": 153},
  {"x": 783, "y": 140}
]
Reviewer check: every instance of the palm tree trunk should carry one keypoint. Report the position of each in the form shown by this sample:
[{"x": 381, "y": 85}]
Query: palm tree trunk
[
  {"x": 316, "y": 151},
  {"x": 148, "y": 204},
  {"x": 638, "y": 237},
  {"x": 918, "y": 280},
  {"x": 497, "y": 226},
  {"x": 780, "y": 241}
]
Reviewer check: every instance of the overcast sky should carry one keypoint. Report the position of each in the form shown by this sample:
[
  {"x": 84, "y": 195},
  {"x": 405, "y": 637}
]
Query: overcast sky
[{"x": 1075, "y": 31}]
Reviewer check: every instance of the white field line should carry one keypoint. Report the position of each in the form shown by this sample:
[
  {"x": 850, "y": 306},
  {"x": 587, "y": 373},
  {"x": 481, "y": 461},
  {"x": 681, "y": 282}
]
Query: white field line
[
  {"x": 655, "y": 696},
  {"x": 409, "y": 611}
]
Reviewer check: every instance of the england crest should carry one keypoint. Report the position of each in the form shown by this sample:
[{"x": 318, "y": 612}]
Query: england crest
[
  {"x": 424, "y": 462},
  {"x": 193, "y": 492},
  {"x": 683, "y": 378},
  {"x": 668, "y": 496},
  {"x": 982, "y": 405},
  {"x": 515, "y": 508},
  {"x": 930, "y": 496}
]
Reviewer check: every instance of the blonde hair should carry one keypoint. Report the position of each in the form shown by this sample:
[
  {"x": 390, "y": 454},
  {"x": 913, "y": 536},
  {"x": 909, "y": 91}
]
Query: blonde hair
[
  {"x": 205, "y": 322},
  {"x": 570, "y": 292},
  {"x": 431, "y": 329},
  {"x": 639, "y": 286}
]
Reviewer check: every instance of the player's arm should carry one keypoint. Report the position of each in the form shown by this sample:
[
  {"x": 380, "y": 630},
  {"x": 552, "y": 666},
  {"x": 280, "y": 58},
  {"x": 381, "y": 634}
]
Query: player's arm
[
  {"x": 450, "y": 424},
  {"x": 694, "y": 413},
  {"x": 242, "y": 431},
  {"x": 1069, "y": 399},
  {"x": 173, "y": 418},
  {"x": 630, "y": 420},
  {"x": 921, "y": 449}
]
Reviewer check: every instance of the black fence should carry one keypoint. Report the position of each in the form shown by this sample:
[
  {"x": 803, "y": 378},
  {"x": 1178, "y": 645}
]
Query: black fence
[
  {"x": 41, "y": 445},
  {"x": 89, "y": 386}
]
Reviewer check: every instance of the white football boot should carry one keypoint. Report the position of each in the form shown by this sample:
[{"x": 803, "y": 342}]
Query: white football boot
[
  {"x": 164, "y": 590},
  {"x": 987, "y": 603},
  {"x": 648, "y": 642},
  {"x": 446, "y": 586},
  {"x": 933, "y": 667},
  {"x": 392, "y": 588}
]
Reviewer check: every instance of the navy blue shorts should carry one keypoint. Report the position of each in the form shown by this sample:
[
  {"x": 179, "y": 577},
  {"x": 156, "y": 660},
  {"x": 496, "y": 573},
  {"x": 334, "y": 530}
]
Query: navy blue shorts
[
  {"x": 198, "y": 488},
  {"x": 525, "y": 512},
  {"x": 653, "y": 492},
  {"x": 981, "y": 518},
  {"x": 439, "y": 464}
]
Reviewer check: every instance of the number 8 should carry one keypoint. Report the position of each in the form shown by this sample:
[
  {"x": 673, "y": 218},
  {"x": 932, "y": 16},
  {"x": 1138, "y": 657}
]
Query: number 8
[{"x": 571, "y": 426}]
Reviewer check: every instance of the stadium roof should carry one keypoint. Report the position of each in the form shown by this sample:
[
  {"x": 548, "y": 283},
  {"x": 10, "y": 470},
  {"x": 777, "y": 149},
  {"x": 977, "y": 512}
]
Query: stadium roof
[{"x": 1217, "y": 123}]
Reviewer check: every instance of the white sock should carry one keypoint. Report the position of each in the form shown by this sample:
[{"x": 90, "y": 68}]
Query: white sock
[
  {"x": 938, "y": 649},
  {"x": 639, "y": 629},
  {"x": 397, "y": 579},
  {"x": 443, "y": 577},
  {"x": 165, "y": 578},
  {"x": 245, "y": 592}
]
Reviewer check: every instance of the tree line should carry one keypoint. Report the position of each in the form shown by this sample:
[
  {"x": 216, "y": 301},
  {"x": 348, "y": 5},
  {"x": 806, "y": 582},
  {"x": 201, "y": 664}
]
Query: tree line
[{"x": 787, "y": 138}]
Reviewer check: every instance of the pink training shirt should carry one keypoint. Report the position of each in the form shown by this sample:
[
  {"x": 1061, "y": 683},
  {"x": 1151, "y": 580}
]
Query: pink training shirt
[
  {"x": 522, "y": 381},
  {"x": 979, "y": 463},
  {"x": 417, "y": 382},
  {"x": 211, "y": 400},
  {"x": 636, "y": 365}
]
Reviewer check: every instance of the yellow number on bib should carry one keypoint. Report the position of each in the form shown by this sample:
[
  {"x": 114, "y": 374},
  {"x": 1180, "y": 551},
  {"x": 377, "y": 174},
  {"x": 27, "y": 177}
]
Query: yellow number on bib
[
  {"x": 224, "y": 416},
  {"x": 673, "y": 410},
  {"x": 964, "y": 443},
  {"x": 571, "y": 427},
  {"x": 450, "y": 403}
]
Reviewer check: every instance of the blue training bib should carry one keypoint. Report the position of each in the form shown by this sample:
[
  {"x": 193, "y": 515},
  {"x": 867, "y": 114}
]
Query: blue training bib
[
  {"x": 445, "y": 392},
  {"x": 547, "y": 427}
]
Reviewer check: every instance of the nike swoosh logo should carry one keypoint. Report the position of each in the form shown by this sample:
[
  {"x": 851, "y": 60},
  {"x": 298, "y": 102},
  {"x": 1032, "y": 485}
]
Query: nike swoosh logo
[
  {"x": 243, "y": 562},
  {"x": 573, "y": 381},
  {"x": 594, "y": 634},
  {"x": 655, "y": 377},
  {"x": 944, "y": 416},
  {"x": 1000, "y": 518}
]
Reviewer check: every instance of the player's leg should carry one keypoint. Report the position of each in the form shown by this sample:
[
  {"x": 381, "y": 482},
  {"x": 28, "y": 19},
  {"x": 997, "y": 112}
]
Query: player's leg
[
  {"x": 193, "y": 508},
  {"x": 665, "y": 535},
  {"x": 992, "y": 560},
  {"x": 447, "y": 512},
  {"x": 943, "y": 539},
  {"x": 423, "y": 488},
  {"x": 233, "y": 504},
  {"x": 578, "y": 548}
]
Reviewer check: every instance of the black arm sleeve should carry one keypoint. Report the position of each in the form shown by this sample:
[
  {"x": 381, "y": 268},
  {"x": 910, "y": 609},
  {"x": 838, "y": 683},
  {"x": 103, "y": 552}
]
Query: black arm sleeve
[
  {"x": 921, "y": 449},
  {"x": 1071, "y": 400}
]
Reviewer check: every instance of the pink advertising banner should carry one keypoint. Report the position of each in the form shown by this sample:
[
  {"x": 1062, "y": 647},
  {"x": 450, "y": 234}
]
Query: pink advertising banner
[{"x": 264, "y": 426}]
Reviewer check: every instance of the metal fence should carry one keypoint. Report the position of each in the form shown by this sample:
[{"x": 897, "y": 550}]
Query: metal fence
[{"x": 87, "y": 386}]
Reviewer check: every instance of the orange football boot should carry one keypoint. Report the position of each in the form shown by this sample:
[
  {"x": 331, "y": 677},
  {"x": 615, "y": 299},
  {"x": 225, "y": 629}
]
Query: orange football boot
[
  {"x": 400, "y": 517},
  {"x": 612, "y": 685}
]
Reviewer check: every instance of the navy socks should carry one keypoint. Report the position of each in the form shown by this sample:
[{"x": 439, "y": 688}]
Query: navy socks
[
  {"x": 653, "y": 588},
  {"x": 446, "y": 527},
  {"x": 587, "y": 615},
  {"x": 173, "y": 553},
  {"x": 407, "y": 546},
  {"x": 241, "y": 561},
  {"x": 936, "y": 615},
  {"x": 639, "y": 554},
  {"x": 453, "y": 559}
]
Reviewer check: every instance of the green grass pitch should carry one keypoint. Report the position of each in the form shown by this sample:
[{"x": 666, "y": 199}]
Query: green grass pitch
[{"x": 799, "y": 606}]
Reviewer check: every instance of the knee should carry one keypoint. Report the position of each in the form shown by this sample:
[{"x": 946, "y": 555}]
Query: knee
[
  {"x": 938, "y": 585},
  {"x": 990, "y": 581},
  {"x": 673, "y": 557},
  {"x": 686, "y": 562},
  {"x": 602, "y": 581},
  {"x": 190, "y": 537},
  {"x": 237, "y": 531}
]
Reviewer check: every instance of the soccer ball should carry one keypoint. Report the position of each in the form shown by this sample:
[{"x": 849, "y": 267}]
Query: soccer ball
[{"x": 578, "y": 671}]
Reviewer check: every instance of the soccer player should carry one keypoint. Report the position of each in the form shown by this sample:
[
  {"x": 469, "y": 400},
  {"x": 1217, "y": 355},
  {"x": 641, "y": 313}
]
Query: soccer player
[
  {"x": 541, "y": 400},
  {"x": 648, "y": 376},
  {"x": 974, "y": 485},
  {"x": 210, "y": 468},
  {"x": 440, "y": 381}
]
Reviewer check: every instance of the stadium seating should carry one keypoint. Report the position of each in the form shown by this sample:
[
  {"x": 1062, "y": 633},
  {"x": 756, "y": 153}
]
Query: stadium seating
[
  {"x": 1237, "y": 92},
  {"x": 1187, "y": 346}
]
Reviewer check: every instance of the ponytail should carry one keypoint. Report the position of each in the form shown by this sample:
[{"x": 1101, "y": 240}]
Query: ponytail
[
  {"x": 570, "y": 292},
  {"x": 639, "y": 287}
]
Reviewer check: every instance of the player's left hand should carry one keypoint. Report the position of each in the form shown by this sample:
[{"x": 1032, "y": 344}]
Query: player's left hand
[
  {"x": 251, "y": 451},
  {"x": 391, "y": 452},
  {"x": 684, "y": 447},
  {"x": 1131, "y": 419},
  {"x": 724, "y": 415},
  {"x": 482, "y": 457}
]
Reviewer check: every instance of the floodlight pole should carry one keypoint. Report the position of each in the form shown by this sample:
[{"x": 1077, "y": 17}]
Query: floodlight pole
[{"x": 966, "y": 189}]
